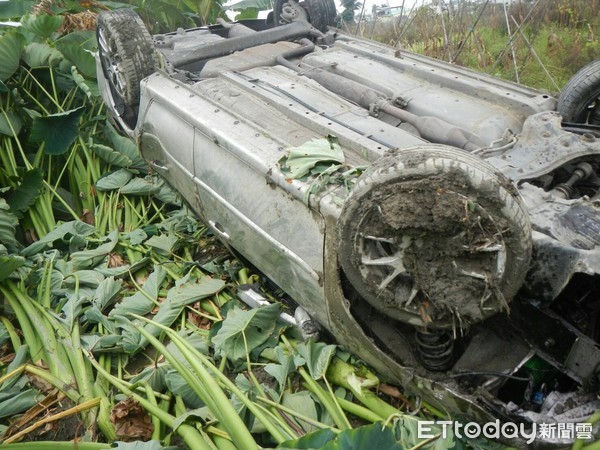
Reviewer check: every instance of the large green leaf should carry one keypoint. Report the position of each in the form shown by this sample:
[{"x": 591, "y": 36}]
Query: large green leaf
[
  {"x": 178, "y": 386},
  {"x": 127, "y": 147},
  {"x": 111, "y": 156},
  {"x": 114, "y": 180},
  {"x": 140, "y": 186},
  {"x": 154, "y": 375},
  {"x": 40, "y": 54},
  {"x": 87, "y": 259},
  {"x": 106, "y": 293},
  {"x": 317, "y": 356},
  {"x": 303, "y": 158},
  {"x": 244, "y": 330},
  {"x": 191, "y": 292},
  {"x": 8, "y": 264},
  {"x": 141, "y": 303},
  {"x": 62, "y": 234},
  {"x": 83, "y": 278},
  {"x": 315, "y": 440},
  {"x": 302, "y": 402},
  {"x": 9, "y": 122},
  {"x": 8, "y": 224},
  {"x": 72, "y": 310},
  {"x": 163, "y": 244},
  {"x": 11, "y": 47},
  {"x": 42, "y": 26},
  {"x": 177, "y": 298},
  {"x": 15, "y": 9},
  {"x": 78, "y": 47},
  {"x": 18, "y": 402},
  {"x": 57, "y": 131},
  {"x": 26, "y": 193},
  {"x": 287, "y": 365}
]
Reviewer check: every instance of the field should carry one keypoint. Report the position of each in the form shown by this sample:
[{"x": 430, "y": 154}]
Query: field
[{"x": 548, "y": 41}]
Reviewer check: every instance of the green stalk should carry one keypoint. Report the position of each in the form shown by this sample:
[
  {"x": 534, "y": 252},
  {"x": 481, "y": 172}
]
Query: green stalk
[
  {"x": 68, "y": 389},
  {"x": 358, "y": 410},
  {"x": 12, "y": 332},
  {"x": 156, "y": 433},
  {"x": 19, "y": 370},
  {"x": 297, "y": 415},
  {"x": 579, "y": 443},
  {"x": 50, "y": 97},
  {"x": 189, "y": 434},
  {"x": 200, "y": 363},
  {"x": 332, "y": 407},
  {"x": 208, "y": 390},
  {"x": 45, "y": 285},
  {"x": 339, "y": 372},
  {"x": 36, "y": 351},
  {"x": 280, "y": 420}
]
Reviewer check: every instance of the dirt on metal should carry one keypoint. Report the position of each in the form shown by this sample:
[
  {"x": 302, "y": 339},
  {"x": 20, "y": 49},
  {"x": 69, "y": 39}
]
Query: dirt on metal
[{"x": 451, "y": 230}]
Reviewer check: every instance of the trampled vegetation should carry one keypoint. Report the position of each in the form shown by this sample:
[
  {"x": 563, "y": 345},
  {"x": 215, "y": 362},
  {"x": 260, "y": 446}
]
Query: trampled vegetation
[{"x": 118, "y": 315}]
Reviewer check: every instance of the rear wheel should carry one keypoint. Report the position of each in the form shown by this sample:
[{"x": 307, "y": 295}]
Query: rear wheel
[
  {"x": 433, "y": 236},
  {"x": 127, "y": 57},
  {"x": 320, "y": 13},
  {"x": 579, "y": 101}
]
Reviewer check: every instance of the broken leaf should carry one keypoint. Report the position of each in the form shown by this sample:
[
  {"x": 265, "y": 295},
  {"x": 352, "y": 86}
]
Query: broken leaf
[
  {"x": 317, "y": 356},
  {"x": 63, "y": 232},
  {"x": 302, "y": 159},
  {"x": 244, "y": 330},
  {"x": 131, "y": 421}
]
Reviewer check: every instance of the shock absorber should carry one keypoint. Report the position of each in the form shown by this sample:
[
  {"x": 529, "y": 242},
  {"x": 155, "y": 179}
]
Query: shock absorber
[{"x": 435, "y": 349}]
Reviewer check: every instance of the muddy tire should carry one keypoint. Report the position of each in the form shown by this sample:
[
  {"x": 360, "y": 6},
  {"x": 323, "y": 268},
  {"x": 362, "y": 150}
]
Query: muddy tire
[
  {"x": 433, "y": 236},
  {"x": 579, "y": 101},
  {"x": 127, "y": 56},
  {"x": 321, "y": 13}
]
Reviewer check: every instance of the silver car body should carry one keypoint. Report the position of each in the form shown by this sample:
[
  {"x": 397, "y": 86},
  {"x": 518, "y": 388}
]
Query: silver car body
[{"x": 218, "y": 130}]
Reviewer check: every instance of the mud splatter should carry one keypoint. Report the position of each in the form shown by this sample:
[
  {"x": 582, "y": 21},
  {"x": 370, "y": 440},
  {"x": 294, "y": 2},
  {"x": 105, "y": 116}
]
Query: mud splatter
[{"x": 446, "y": 233}]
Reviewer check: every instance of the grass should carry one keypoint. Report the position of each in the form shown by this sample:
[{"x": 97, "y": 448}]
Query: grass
[{"x": 564, "y": 34}]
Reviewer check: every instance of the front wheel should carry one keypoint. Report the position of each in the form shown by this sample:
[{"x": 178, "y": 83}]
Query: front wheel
[
  {"x": 434, "y": 237},
  {"x": 127, "y": 56},
  {"x": 579, "y": 101}
]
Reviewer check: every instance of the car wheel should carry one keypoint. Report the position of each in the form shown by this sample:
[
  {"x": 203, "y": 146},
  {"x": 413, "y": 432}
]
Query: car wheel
[
  {"x": 127, "y": 57},
  {"x": 579, "y": 101},
  {"x": 434, "y": 236},
  {"x": 321, "y": 13}
]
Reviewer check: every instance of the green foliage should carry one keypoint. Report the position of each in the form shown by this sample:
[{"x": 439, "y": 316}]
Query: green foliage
[
  {"x": 245, "y": 330},
  {"x": 166, "y": 15},
  {"x": 11, "y": 46},
  {"x": 302, "y": 159},
  {"x": 15, "y": 9},
  {"x": 56, "y": 131}
]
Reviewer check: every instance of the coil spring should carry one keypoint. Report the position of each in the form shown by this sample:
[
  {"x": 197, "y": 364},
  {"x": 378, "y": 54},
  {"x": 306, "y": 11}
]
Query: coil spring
[{"x": 435, "y": 349}]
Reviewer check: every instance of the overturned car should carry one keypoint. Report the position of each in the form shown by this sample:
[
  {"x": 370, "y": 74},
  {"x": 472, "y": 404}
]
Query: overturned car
[{"x": 441, "y": 224}]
